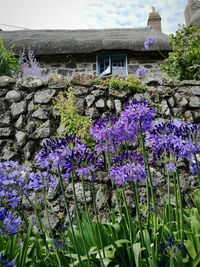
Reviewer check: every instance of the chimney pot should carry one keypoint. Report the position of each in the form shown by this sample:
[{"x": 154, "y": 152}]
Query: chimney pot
[{"x": 154, "y": 20}]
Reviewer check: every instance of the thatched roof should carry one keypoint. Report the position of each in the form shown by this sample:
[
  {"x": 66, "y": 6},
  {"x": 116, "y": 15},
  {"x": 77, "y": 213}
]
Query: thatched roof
[{"x": 45, "y": 42}]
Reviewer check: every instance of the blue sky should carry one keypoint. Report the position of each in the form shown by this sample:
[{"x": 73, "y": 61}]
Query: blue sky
[{"x": 82, "y": 14}]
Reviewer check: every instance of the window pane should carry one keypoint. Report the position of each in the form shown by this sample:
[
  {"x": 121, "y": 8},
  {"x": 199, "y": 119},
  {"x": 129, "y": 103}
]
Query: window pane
[
  {"x": 118, "y": 62},
  {"x": 103, "y": 64}
]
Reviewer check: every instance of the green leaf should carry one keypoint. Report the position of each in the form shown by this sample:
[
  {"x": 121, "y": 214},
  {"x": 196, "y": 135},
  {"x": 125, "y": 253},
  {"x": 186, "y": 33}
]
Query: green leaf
[
  {"x": 190, "y": 248},
  {"x": 196, "y": 261},
  {"x": 137, "y": 253}
]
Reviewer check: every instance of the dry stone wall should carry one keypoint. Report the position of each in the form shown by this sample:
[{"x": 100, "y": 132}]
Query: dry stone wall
[{"x": 27, "y": 115}]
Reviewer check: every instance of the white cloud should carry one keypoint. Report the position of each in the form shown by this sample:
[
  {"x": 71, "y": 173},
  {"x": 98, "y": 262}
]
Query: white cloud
[{"x": 76, "y": 14}]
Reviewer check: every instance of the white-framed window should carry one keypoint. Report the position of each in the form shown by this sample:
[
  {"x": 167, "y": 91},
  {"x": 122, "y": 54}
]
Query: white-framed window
[{"x": 112, "y": 65}]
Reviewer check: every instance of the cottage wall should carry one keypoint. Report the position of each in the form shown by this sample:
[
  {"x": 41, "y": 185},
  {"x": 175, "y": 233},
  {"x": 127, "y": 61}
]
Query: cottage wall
[{"x": 70, "y": 65}]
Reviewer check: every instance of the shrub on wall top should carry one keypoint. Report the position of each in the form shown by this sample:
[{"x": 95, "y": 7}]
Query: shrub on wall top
[
  {"x": 129, "y": 84},
  {"x": 8, "y": 61},
  {"x": 183, "y": 62}
]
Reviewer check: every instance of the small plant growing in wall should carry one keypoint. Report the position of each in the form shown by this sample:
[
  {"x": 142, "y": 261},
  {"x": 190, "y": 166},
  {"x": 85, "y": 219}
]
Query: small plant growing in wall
[
  {"x": 183, "y": 62},
  {"x": 73, "y": 122},
  {"x": 29, "y": 65},
  {"x": 8, "y": 61}
]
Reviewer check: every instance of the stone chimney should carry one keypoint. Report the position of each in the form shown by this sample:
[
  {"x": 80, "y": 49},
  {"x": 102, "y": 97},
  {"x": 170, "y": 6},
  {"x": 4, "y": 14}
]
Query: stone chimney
[
  {"x": 191, "y": 10},
  {"x": 154, "y": 20}
]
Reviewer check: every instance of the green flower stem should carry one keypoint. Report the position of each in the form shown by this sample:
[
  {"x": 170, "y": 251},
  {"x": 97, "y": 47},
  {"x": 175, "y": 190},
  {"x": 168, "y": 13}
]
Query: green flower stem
[
  {"x": 149, "y": 183},
  {"x": 180, "y": 206},
  {"x": 89, "y": 220},
  {"x": 115, "y": 192},
  {"x": 137, "y": 202},
  {"x": 23, "y": 217},
  {"x": 50, "y": 228},
  {"x": 96, "y": 215},
  {"x": 177, "y": 203},
  {"x": 169, "y": 204},
  {"x": 117, "y": 203},
  {"x": 130, "y": 255},
  {"x": 78, "y": 220},
  {"x": 39, "y": 221},
  {"x": 197, "y": 165},
  {"x": 47, "y": 213},
  {"x": 69, "y": 217},
  {"x": 148, "y": 172}
]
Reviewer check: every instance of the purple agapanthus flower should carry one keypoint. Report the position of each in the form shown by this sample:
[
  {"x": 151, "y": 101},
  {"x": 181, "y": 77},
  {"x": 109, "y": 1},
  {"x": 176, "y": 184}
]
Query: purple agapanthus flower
[
  {"x": 172, "y": 139},
  {"x": 170, "y": 167},
  {"x": 129, "y": 172},
  {"x": 111, "y": 133},
  {"x": 14, "y": 179},
  {"x": 141, "y": 71},
  {"x": 149, "y": 42},
  {"x": 41, "y": 181},
  {"x": 135, "y": 114},
  {"x": 107, "y": 136},
  {"x": 127, "y": 166},
  {"x": 6, "y": 263},
  {"x": 9, "y": 223},
  {"x": 17, "y": 181},
  {"x": 68, "y": 156}
]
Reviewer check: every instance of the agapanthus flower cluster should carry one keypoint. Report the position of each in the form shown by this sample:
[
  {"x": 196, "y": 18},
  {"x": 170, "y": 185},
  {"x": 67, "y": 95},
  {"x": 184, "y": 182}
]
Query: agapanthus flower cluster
[
  {"x": 68, "y": 156},
  {"x": 14, "y": 180},
  {"x": 141, "y": 71},
  {"x": 6, "y": 263},
  {"x": 17, "y": 181},
  {"x": 137, "y": 114},
  {"x": 9, "y": 223},
  {"x": 171, "y": 140},
  {"x": 41, "y": 181},
  {"x": 106, "y": 135},
  {"x": 149, "y": 42},
  {"x": 112, "y": 132},
  {"x": 169, "y": 246},
  {"x": 129, "y": 166}
]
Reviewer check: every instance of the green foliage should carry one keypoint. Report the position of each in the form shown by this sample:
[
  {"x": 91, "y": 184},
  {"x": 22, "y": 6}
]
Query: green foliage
[
  {"x": 130, "y": 84},
  {"x": 8, "y": 61},
  {"x": 183, "y": 62},
  {"x": 73, "y": 122}
]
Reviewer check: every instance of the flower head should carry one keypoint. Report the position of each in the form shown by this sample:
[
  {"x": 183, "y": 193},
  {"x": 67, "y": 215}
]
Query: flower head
[
  {"x": 5, "y": 263},
  {"x": 170, "y": 167},
  {"x": 141, "y": 71},
  {"x": 171, "y": 140},
  {"x": 17, "y": 181},
  {"x": 106, "y": 135},
  {"x": 68, "y": 155},
  {"x": 129, "y": 167},
  {"x": 135, "y": 114},
  {"x": 9, "y": 223},
  {"x": 149, "y": 42}
]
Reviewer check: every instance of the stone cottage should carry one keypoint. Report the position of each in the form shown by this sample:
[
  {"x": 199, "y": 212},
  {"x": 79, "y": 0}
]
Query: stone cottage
[
  {"x": 106, "y": 51},
  {"x": 112, "y": 51}
]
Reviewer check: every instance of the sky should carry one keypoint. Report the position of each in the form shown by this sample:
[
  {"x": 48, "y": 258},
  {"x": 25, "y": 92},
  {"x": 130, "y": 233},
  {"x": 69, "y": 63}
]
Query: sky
[{"x": 89, "y": 14}]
